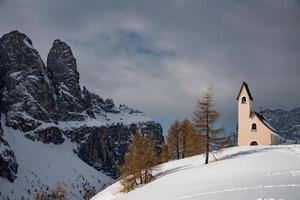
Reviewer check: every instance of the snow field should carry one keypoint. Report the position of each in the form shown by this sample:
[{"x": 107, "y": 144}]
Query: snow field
[{"x": 241, "y": 173}]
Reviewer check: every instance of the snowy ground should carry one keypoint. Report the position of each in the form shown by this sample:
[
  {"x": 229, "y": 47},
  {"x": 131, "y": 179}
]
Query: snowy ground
[
  {"x": 43, "y": 166},
  {"x": 244, "y": 173}
]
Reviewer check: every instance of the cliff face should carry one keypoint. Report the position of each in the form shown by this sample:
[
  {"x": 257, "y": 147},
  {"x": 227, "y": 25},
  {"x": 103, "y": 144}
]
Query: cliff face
[
  {"x": 26, "y": 93},
  {"x": 105, "y": 146},
  {"x": 46, "y": 105}
]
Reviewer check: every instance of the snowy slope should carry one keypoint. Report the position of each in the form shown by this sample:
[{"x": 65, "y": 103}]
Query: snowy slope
[
  {"x": 45, "y": 165},
  {"x": 123, "y": 117},
  {"x": 254, "y": 173}
]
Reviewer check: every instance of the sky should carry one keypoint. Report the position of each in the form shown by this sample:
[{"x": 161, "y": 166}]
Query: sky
[{"x": 159, "y": 56}]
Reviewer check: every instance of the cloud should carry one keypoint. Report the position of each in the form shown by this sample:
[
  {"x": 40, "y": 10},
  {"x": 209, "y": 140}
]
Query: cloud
[{"x": 158, "y": 56}]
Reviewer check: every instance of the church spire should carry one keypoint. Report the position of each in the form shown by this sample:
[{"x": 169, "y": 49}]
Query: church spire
[{"x": 247, "y": 89}]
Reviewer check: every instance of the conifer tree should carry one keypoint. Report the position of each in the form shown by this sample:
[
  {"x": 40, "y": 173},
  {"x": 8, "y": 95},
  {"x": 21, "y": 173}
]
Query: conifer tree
[
  {"x": 173, "y": 140},
  {"x": 192, "y": 143},
  {"x": 204, "y": 119},
  {"x": 183, "y": 141},
  {"x": 165, "y": 154},
  {"x": 184, "y": 134},
  {"x": 139, "y": 162}
]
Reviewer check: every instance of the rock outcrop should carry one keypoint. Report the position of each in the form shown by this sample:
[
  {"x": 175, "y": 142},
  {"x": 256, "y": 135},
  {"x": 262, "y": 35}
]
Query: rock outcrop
[
  {"x": 65, "y": 80},
  {"x": 26, "y": 93},
  {"x": 104, "y": 147},
  {"x": 62, "y": 65},
  {"x": 47, "y": 105}
]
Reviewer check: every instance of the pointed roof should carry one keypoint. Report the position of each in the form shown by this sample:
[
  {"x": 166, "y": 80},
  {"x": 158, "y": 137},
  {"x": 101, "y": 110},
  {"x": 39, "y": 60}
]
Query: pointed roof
[
  {"x": 247, "y": 89},
  {"x": 266, "y": 123}
]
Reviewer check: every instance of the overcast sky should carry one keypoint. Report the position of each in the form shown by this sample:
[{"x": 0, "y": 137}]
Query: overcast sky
[{"x": 159, "y": 55}]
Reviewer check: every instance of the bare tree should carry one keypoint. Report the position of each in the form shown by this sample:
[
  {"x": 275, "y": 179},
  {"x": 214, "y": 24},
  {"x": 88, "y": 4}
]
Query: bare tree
[{"x": 205, "y": 116}]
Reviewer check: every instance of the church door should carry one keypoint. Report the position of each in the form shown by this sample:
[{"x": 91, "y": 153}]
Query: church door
[{"x": 254, "y": 143}]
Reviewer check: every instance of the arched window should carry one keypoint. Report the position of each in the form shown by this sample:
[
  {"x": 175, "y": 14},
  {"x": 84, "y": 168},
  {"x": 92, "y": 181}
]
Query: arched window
[
  {"x": 253, "y": 127},
  {"x": 244, "y": 100}
]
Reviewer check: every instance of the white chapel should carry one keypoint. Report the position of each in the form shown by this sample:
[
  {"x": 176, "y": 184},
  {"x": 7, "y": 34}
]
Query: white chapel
[{"x": 252, "y": 128}]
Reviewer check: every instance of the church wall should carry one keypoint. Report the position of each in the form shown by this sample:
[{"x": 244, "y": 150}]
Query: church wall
[{"x": 263, "y": 135}]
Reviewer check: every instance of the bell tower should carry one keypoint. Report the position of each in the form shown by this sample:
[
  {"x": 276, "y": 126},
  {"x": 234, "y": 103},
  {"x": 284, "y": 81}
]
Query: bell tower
[{"x": 244, "y": 101}]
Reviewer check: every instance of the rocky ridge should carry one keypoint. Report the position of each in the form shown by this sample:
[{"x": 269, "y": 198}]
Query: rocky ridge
[{"x": 47, "y": 105}]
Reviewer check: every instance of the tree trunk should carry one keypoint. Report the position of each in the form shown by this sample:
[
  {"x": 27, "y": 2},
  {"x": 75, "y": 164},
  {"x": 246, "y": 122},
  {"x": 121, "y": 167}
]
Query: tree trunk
[
  {"x": 183, "y": 146},
  {"x": 177, "y": 146},
  {"x": 146, "y": 177},
  {"x": 136, "y": 183},
  {"x": 141, "y": 178},
  {"x": 207, "y": 139}
]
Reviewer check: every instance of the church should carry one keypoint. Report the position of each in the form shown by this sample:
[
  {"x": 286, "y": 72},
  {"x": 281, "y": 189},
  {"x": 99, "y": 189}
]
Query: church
[{"x": 252, "y": 128}]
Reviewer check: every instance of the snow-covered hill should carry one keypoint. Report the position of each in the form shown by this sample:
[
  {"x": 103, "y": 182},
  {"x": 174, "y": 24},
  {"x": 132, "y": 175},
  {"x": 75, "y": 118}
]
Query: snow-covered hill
[{"x": 244, "y": 173}]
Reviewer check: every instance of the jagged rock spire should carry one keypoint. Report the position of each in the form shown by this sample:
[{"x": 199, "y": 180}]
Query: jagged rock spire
[
  {"x": 62, "y": 65},
  {"x": 47, "y": 105},
  {"x": 24, "y": 81}
]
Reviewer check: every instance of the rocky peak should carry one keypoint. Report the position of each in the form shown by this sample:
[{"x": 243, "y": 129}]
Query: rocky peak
[
  {"x": 62, "y": 65},
  {"x": 24, "y": 86},
  {"x": 17, "y": 48},
  {"x": 15, "y": 37},
  {"x": 48, "y": 106}
]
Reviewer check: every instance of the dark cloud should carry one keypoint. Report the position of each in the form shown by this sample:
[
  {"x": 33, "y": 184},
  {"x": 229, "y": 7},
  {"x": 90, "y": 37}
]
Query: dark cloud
[{"x": 158, "y": 56}]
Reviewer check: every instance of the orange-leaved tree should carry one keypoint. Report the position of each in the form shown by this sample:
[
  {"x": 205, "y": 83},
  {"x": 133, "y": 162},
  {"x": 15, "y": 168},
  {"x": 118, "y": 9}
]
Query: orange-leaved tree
[{"x": 139, "y": 162}]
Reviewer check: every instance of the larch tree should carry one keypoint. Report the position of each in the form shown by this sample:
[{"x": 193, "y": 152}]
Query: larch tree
[
  {"x": 174, "y": 140},
  {"x": 192, "y": 143},
  {"x": 139, "y": 162},
  {"x": 165, "y": 154},
  {"x": 185, "y": 133},
  {"x": 204, "y": 118}
]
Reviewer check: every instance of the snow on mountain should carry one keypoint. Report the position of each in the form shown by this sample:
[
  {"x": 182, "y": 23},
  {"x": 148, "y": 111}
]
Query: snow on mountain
[
  {"x": 286, "y": 122},
  {"x": 43, "y": 166},
  {"x": 109, "y": 119},
  {"x": 241, "y": 173},
  {"x": 53, "y": 131}
]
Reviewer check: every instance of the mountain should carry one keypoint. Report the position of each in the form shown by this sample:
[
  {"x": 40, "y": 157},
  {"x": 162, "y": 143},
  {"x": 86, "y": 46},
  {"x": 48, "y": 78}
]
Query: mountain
[
  {"x": 256, "y": 173},
  {"x": 286, "y": 122},
  {"x": 53, "y": 131}
]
